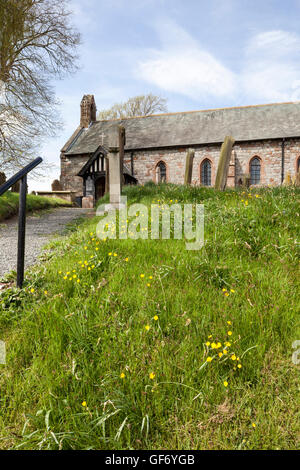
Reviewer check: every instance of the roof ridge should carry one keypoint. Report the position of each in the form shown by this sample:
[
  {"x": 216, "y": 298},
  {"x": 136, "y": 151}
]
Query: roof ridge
[{"x": 198, "y": 111}]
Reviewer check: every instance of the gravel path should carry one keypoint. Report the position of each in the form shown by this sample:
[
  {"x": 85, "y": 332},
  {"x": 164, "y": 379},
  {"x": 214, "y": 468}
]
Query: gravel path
[{"x": 39, "y": 230}]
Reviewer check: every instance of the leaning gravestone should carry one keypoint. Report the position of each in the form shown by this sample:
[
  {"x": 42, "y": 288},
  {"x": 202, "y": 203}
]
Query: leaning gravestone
[
  {"x": 223, "y": 167},
  {"x": 189, "y": 166}
]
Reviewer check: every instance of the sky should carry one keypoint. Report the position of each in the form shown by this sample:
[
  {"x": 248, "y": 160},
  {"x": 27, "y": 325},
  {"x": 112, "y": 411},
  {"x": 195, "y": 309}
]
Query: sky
[{"x": 199, "y": 54}]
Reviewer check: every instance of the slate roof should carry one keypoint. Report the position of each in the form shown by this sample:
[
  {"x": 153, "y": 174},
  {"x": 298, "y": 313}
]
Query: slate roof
[{"x": 245, "y": 123}]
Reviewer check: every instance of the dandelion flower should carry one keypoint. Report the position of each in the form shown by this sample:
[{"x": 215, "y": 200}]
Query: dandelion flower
[
  {"x": 209, "y": 359},
  {"x": 220, "y": 354},
  {"x": 224, "y": 290},
  {"x": 155, "y": 317},
  {"x": 213, "y": 345},
  {"x": 232, "y": 290},
  {"x": 233, "y": 357},
  {"x": 226, "y": 294},
  {"x": 122, "y": 375},
  {"x": 207, "y": 343},
  {"x": 229, "y": 333},
  {"x": 253, "y": 425},
  {"x": 151, "y": 375},
  {"x": 109, "y": 254},
  {"x": 147, "y": 327},
  {"x": 46, "y": 292},
  {"x": 32, "y": 290},
  {"x": 126, "y": 259},
  {"x": 225, "y": 383},
  {"x": 229, "y": 323},
  {"x": 240, "y": 366},
  {"x": 142, "y": 275},
  {"x": 84, "y": 403}
]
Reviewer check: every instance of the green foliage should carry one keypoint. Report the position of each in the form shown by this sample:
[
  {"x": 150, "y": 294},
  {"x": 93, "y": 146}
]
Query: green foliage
[
  {"x": 9, "y": 204},
  {"x": 118, "y": 360}
]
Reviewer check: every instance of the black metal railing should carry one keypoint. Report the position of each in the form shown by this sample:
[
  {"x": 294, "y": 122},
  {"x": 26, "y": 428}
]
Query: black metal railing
[{"x": 21, "y": 175}]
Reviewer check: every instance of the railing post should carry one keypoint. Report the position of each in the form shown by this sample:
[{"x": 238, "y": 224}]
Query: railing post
[{"x": 21, "y": 231}]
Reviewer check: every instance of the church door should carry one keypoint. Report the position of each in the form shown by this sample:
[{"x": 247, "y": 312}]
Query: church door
[{"x": 100, "y": 187}]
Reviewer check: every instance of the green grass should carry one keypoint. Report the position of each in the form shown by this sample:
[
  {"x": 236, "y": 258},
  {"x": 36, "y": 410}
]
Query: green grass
[
  {"x": 68, "y": 342},
  {"x": 9, "y": 204}
]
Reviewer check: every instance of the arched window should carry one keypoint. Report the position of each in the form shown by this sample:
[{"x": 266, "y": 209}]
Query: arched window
[
  {"x": 161, "y": 172},
  {"x": 205, "y": 173},
  {"x": 255, "y": 170}
]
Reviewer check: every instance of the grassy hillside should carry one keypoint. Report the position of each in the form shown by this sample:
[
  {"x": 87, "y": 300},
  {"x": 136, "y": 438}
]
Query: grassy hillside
[
  {"x": 141, "y": 344},
  {"x": 9, "y": 204}
]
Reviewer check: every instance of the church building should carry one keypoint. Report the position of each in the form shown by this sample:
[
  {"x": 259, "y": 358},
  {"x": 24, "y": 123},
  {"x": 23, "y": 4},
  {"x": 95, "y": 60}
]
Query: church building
[{"x": 267, "y": 147}]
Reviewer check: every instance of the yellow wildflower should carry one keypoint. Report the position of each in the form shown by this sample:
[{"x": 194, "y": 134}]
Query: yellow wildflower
[
  {"x": 229, "y": 333},
  {"x": 225, "y": 383},
  {"x": 155, "y": 317},
  {"x": 122, "y": 376},
  {"x": 233, "y": 357},
  {"x": 84, "y": 403},
  {"x": 207, "y": 343},
  {"x": 209, "y": 359},
  {"x": 147, "y": 327},
  {"x": 142, "y": 275},
  {"x": 151, "y": 375}
]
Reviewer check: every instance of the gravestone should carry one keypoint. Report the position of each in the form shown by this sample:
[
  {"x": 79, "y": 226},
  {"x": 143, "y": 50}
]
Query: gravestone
[
  {"x": 223, "y": 166},
  {"x": 2, "y": 178},
  {"x": 246, "y": 180},
  {"x": 56, "y": 186},
  {"x": 16, "y": 187},
  {"x": 288, "y": 179},
  {"x": 189, "y": 166}
]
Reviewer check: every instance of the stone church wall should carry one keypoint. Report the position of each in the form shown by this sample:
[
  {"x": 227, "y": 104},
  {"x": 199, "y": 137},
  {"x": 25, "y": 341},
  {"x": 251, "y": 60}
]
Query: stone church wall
[
  {"x": 70, "y": 166},
  {"x": 269, "y": 151},
  {"x": 145, "y": 163}
]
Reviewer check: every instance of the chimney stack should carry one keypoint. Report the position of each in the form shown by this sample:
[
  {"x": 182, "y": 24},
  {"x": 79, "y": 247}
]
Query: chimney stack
[{"x": 87, "y": 110}]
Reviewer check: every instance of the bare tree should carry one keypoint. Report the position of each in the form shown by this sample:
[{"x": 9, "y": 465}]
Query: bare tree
[
  {"x": 37, "y": 43},
  {"x": 142, "y": 105}
]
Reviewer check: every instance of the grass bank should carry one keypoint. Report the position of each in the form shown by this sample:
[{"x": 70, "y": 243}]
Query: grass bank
[
  {"x": 142, "y": 344},
  {"x": 9, "y": 204}
]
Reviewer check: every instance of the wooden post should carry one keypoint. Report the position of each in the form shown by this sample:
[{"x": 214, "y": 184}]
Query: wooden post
[
  {"x": 189, "y": 166},
  {"x": 223, "y": 167}
]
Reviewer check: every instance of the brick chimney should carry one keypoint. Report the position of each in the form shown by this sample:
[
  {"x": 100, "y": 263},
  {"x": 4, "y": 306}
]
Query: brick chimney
[{"x": 87, "y": 110}]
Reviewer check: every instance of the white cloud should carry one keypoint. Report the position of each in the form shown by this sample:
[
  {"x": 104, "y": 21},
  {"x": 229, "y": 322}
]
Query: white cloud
[
  {"x": 183, "y": 66},
  {"x": 271, "y": 70},
  {"x": 269, "y": 67}
]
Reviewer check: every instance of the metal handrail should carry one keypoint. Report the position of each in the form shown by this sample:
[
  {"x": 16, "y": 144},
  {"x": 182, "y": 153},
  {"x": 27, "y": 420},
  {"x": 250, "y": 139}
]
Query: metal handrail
[
  {"x": 21, "y": 175},
  {"x": 14, "y": 179}
]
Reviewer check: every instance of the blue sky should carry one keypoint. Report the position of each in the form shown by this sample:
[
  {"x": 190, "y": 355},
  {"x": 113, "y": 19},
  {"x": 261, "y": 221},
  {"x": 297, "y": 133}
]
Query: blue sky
[{"x": 197, "y": 54}]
